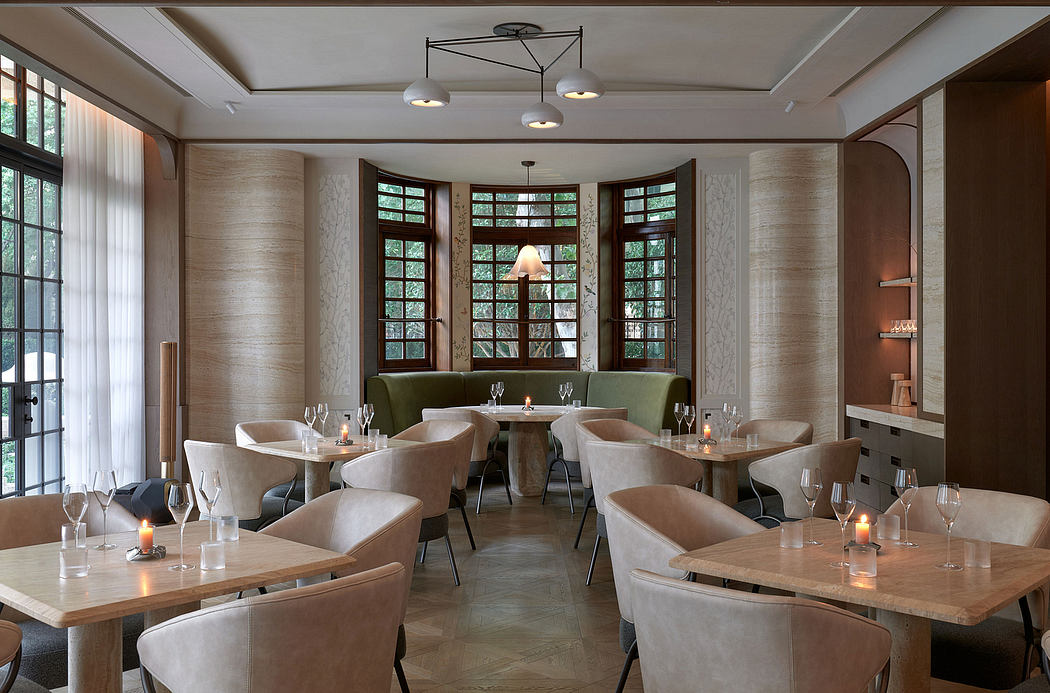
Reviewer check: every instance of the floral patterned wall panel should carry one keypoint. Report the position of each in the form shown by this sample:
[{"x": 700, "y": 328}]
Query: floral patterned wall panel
[
  {"x": 588, "y": 277},
  {"x": 461, "y": 277},
  {"x": 721, "y": 284},
  {"x": 339, "y": 366}
]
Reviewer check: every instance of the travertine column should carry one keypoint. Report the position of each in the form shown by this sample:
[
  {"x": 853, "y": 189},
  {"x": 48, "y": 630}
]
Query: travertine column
[
  {"x": 931, "y": 275},
  {"x": 794, "y": 287}
]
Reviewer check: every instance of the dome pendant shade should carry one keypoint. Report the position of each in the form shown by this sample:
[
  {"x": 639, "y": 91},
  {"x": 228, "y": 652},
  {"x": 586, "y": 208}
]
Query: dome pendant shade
[
  {"x": 427, "y": 93},
  {"x": 542, "y": 115},
  {"x": 580, "y": 84},
  {"x": 529, "y": 264}
]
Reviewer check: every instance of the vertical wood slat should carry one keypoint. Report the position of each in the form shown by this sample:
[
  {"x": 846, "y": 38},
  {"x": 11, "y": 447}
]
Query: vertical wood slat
[{"x": 169, "y": 368}]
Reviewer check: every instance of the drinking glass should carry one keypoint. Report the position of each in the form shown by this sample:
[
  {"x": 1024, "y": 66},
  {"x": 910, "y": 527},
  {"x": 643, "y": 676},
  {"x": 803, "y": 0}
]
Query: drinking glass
[
  {"x": 724, "y": 413},
  {"x": 568, "y": 390},
  {"x": 210, "y": 488},
  {"x": 843, "y": 502},
  {"x": 689, "y": 418},
  {"x": 561, "y": 393},
  {"x": 500, "y": 387},
  {"x": 812, "y": 485},
  {"x": 310, "y": 416},
  {"x": 736, "y": 415},
  {"x": 322, "y": 414},
  {"x": 494, "y": 391},
  {"x": 180, "y": 503},
  {"x": 906, "y": 483},
  {"x": 104, "y": 486},
  {"x": 74, "y": 502},
  {"x": 679, "y": 414},
  {"x": 369, "y": 411},
  {"x": 949, "y": 501}
]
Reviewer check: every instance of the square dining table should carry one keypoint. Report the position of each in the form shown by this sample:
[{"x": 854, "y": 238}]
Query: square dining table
[
  {"x": 91, "y": 607},
  {"x": 908, "y": 592}
]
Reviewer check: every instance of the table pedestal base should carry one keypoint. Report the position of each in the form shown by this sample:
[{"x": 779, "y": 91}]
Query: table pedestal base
[
  {"x": 527, "y": 457},
  {"x": 318, "y": 480},
  {"x": 909, "y": 651},
  {"x": 94, "y": 656},
  {"x": 157, "y": 616}
]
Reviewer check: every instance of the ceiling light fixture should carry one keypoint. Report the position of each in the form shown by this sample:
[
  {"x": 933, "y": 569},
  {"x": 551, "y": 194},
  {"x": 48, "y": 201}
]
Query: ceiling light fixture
[
  {"x": 529, "y": 263},
  {"x": 579, "y": 84}
]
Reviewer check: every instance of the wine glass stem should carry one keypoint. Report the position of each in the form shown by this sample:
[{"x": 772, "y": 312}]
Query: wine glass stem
[
  {"x": 105, "y": 530},
  {"x": 182, "y": 555},
  {"x": 843, "y": 560},
  {"x": 907, "y": 539},
  {"x": 811, "y": 522},
  {"x": 948, "y": 559}
]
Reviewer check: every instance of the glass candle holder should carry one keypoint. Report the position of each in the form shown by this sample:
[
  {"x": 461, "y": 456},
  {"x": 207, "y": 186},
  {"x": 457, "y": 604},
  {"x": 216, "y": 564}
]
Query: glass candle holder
[
  {"x": 381, "y": 442},
  {"x": 213, "y": 555},
  {"x": 889, "y": 527},
  {"x": 977, "y": 554},
  {"x": 227, "y": 528},
  {"x": 577, "y": 404},
  {"x": 862, "y": 561},
  {"x": 665, "y": 437},
  {"x": 373, "y": 438},
  {"x": 752, "y": 441},
  {"x": 73, "y": 563},
  {"x": 791, "y": 535}
]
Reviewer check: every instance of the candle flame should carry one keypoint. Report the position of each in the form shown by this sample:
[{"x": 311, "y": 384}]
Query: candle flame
[
  {"x": 863, "y": 518},
  {"x": 145, "y": 523}
]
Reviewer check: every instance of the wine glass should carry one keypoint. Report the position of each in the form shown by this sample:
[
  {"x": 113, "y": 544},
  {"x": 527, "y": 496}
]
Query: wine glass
[
  {"x": 180, "y": 503},
  {"x": 210, "y": 488},
  {"x": 74, "y": 502},
  {"x": 689, "y": 418},
  {"x": 322, "y": 414},
  {"x": 843, "y": 502},
  {"x": 500, "y": 388},
  {"x": 310, "y": 415},
  {"x": 494, "y": 391},
  {"x": 360, "y": 416},
  {"x": 369, "y": 411},
  {"x": 568, "y": 391},
  {"x": 906, "y": 483},
  {"x": 679, "y": 414},
  {"x": 812, "y": 485},
  {"x": 724, "y": 413},
  {"x": 561, "y": 393},
  {"x": 104, "y": 486},
  {"x": 736, "y": 415},
  {"x": 949, "y": 501}
]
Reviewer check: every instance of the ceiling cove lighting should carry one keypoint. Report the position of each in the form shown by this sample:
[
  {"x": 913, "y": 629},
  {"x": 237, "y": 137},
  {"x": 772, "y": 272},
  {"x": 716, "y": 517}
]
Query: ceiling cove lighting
[{"x": 579, "y": 84}]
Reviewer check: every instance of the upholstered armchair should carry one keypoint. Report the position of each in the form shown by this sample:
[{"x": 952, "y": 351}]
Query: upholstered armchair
[
  {"x": 784, "y": 430},
  {"x": 10, "y": 659},
  {"x": 567, "y": 450},
  {"x": 484, "y": 453},
  {"x": 269, "y": 431}
]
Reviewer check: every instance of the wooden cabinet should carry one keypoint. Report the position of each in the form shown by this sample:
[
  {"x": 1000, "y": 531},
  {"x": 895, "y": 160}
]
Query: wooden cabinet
[{"x": 885, "y": 449}]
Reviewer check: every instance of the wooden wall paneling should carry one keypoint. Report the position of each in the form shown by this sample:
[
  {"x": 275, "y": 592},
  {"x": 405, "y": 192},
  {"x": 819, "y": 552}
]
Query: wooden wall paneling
[
  {"x": 876, "y": 245},
  {"x": 606, "y": 294},
  {"x": 931, "y": 258},
  {"x": 244, "y": 287},
  {"x": 685, "y": 274},
  {"x": 369, "y": 273},
  {"x": 442, "y": 284},
  {"x": 996, "y": 283}
]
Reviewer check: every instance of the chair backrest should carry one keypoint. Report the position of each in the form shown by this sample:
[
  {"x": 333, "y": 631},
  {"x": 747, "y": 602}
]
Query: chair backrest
[
  {"x": 485, "y": 428},
  {"x": 784, "y": 430},
  {"x": 650, "y": 525},
  {"x": 246, "y": 475},
  {"x": 28, "y": 520},
  {"x": 836, "y": 459},
  {"x": 375, "y": 527},
  {"x": 603, "y": 429},
  {"x": 10, "y": 642},
  {"x": 564, "y": 427},
  {"x": 423, "y": 471},
  {"x": 1007, "y": 518},
  {"x": 333, "y": 636},
  {"x": 696, "y": 637},
  {"x": 268, "y": 431},
  {"x": 616, "y": 466},
  {"x": 461, "y": 433}
]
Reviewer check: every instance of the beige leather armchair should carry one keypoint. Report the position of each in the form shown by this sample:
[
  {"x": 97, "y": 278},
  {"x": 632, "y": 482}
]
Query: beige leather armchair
[
  {"x": 375, "y": 527},
  {"x": 246, "y": 476},
  {"x": 566, "y": 447},
  {"x": 1040, "y": 683},
  {"x": 696, "y": 637},
  {"x": 11, "y": 658},
  {"x": 837, "y": 461},
  {"x": 271, "y": 430},
  {"x": 331, "y": 637},
  {"x": 784, "y": 430},
  {"x": 616, "y": 466},
  {"x": 998, "y": 653},
  {"x": 650, "y": 525},
  {"x": 599, "y": 429},
  {"x": 484, "y": 452},
  {"x": 423, "y": 471}
]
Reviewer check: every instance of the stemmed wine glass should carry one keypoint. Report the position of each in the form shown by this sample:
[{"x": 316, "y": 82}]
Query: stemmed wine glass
[
  {"x": 689, "y": 418},
  {"x": 736, "y": 415},
  {"x": 568, "y": 391},
  {"x": 104, "y": 486},
  {"x": 74, "y": 502},
  {"x": 210, "y": 488},
  {"x": 494, "y": 391},
  {"x": 906, "y": 483},
  {"x": 843, "y": 502},
  {"x": 322, "y": 414},
  {"x": 812, "y": 485},
  {"x": 724, "y": 412},
  {"x": 679, "y": 414},
  {"x": 364, "y": 417},
  {"x": 310, "y": 415},
  {"x": 500, "y": 387},
  {"x": 561, "y": 393},
  {"x": 180, "y": 503},
  {"x": 949, "y": 501}
]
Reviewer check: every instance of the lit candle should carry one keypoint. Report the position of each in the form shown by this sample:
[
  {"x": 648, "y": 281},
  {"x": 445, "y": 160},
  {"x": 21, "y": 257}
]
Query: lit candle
[
  {"x": 862, "y": 530},
  {"x": 344, "y": 433},
  {"x": 528, "y": 402},
  {"x": 707, "y": 431},
  {"x": 145, "y": 537}
]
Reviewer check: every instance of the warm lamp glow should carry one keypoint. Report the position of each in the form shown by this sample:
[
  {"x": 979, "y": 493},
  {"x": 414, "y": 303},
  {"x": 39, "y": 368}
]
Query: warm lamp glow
[{"x": 529, "y": 264}]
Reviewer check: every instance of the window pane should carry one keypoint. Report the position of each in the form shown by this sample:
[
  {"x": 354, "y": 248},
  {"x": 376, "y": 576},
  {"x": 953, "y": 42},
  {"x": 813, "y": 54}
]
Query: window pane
[
  {"x": 8, "y": 106},
  {"x": 415, "y": 249},
  {"x": 33, "y": 118},
  {"x": 391, "y": 202},
  {"x": 9, "y": 342},
  {"x": 414, "y": 330},
  {"x": 392, "y": 247},
  {"x": 414, "y": 270},
  {"x": 31, "y": 315},
  {"x": 31, "y": 200},
  {"x": 393, "y": 289},
  {"x": 10, "y": 247},
  {"x": 395, "y": 268},
  {"x": 50, "y": 252},
  {"x": 31, "y": 358},
  {"x": 51, "y": 356},
  {"x": 31, "y": 251},
  {"x": 395, "y": 330},
  {"x": 415, "y": 350},
  {"x": 394, "y": 350},
  {"x": 50, "y": 306},
  {"x": 8, "y": 192}
]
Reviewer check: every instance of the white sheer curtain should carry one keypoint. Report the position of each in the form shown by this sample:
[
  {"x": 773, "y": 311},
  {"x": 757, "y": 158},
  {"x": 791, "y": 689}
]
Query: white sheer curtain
[{"x": 102, "y": 295}]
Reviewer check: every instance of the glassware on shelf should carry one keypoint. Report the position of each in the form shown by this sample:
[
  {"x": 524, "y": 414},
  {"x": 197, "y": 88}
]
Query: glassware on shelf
[{"x": 104, "y": 486}]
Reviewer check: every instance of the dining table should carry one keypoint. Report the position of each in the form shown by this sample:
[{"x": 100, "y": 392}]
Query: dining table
[
  {"x": 908, "y": 592},
  {"x": 319, "y": 463},
  {"x": 720, "y": 460},
  {"x": 91, "y": 607}
]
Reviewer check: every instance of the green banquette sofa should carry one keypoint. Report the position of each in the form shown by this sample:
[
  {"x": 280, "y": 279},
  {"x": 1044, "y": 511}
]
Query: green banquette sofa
[{"x": 399, "y": 398}]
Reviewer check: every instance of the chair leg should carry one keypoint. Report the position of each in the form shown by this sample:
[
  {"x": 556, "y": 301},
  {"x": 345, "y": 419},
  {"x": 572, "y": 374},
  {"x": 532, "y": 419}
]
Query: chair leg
[
  {"x": 884, "y": 678},
  {"x": 1029, "y": 637},
  {"x": 12, "y": 672},
  {"x": 568, "y": 486},
  {"x": 401, "y": 680},
  {"x": 594, "y": 557},
  {"x": 547, "y": 481},
  {"x": 452, "y": 560},
  {"x": 506, "y": 484},
  {"x": 632, "y": 655},
  {"x": 423, "y": 556},
  {"x": 147, "y": 680},
  {"x": 470, "y": 535},
  {"x": 481, "y": 487},
  {"x": 579, "y": 532}
]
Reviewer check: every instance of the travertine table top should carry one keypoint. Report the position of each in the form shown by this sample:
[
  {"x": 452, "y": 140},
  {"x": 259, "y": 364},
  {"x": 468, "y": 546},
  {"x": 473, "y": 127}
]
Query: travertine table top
[
  {"x": 327, "y": 450},
  {"x": 724, "y": 451},
  {"x": 513, "y": 413}
]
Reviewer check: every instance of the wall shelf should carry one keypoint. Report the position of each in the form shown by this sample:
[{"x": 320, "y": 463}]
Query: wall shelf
[
  {"x": 898, "y": 335},
  {"x": 903, "y": 281}
]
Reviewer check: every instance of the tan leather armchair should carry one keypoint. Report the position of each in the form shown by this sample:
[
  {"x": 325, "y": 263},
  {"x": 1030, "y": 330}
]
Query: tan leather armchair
[
  {"x": 375, "y": 527},
  {"x": 484, "y": 452},
  {"x": 331, "y": 637},
  {"x": 271, "y": 430},
  {"x": 784, "y": 430},
  {"x": 423, "y": 471},
  {"x": 998, "y": 653},
  {"x": 567, "y": 449},
  {"x": 837, "y": 461},
  {"x": 650, "y": 525},
  {"x": 246, "y": 476},
  {"x": 599, "y": 429},
  {"x": 11, "y": 658},
  {"x": 616, "y": 466},
  {"x": 696, "y": 637}
]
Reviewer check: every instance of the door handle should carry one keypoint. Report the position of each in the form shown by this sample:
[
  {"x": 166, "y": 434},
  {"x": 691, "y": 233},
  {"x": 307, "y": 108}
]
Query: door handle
[{"x": 31, "y": 400}]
